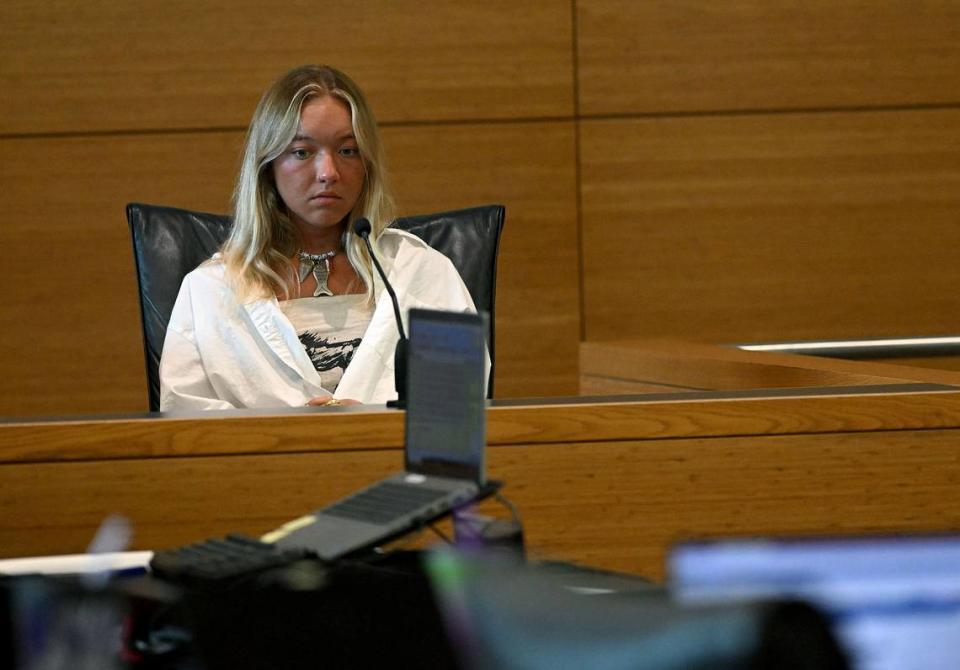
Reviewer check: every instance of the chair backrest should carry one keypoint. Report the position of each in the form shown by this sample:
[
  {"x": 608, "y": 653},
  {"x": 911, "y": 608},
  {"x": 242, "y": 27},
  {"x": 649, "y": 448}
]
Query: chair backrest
[{"x": 169, "y": 242}]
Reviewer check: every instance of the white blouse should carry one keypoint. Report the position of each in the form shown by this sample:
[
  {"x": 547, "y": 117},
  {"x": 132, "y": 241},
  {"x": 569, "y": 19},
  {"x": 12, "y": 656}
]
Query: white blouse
[{"x": 220, "y": 353}]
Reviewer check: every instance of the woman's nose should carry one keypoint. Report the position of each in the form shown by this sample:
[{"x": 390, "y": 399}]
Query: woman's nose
[{"x": 327, "y": 167}]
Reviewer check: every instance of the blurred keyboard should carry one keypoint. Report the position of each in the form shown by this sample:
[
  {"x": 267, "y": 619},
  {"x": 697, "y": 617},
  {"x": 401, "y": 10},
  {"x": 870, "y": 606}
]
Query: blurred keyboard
[{"x": 220, "y": 562}]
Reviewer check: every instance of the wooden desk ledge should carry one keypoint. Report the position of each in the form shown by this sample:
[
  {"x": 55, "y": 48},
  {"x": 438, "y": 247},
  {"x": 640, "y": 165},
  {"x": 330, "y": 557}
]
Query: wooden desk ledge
[{"x": 515, "y": 422}]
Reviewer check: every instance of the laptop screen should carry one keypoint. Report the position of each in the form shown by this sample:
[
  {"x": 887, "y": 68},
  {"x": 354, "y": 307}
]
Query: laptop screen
[
  {"x": 894, "y": 601},
  {"x": 446, "y": 398}
]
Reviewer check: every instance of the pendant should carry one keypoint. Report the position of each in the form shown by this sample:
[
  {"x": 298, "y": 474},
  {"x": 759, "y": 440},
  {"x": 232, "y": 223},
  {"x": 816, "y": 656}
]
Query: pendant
[
  {"x": 319, "y": 265},
  {"x": 321, "y": 272}
]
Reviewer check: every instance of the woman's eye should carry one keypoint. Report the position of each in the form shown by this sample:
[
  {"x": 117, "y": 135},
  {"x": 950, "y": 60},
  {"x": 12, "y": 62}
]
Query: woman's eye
[
  {"x": 299, "y": 153},
  {"x": 349, "y": 151}
]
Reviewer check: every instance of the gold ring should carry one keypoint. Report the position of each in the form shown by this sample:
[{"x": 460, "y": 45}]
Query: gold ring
[{"x": 333, "y": 402}]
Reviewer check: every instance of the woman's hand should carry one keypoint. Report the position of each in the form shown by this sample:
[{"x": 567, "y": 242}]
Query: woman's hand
[{"x": 330, "y": 401}]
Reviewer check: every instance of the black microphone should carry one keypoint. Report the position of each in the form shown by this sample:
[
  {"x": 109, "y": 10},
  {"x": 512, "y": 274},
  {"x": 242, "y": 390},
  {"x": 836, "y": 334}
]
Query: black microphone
[{"x": 361, "y": 228}]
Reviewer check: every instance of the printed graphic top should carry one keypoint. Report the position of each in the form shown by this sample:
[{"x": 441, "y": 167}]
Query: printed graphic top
[{"x": 330, "y": 329}]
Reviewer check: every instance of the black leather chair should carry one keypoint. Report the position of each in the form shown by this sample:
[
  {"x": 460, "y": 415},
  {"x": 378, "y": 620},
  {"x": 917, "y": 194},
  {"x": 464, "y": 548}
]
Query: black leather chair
[{"x": 169, "y": 242}]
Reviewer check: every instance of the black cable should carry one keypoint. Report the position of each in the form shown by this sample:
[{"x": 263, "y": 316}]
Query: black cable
[
  {"x": 502, "y": 499},
  {"x": 443, "y": 536}
]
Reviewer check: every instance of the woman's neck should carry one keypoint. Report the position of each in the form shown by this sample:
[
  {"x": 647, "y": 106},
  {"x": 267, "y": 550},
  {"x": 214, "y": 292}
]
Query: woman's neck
[{"x": 320, "y": 241}]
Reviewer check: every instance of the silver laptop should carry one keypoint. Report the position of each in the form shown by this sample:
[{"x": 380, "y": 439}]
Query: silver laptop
[{"x": 444, "y": 445}]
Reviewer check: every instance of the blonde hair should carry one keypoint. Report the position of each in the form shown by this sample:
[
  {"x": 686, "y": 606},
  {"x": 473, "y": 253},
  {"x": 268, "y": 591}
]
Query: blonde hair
[{"x": 263, "y": 238}]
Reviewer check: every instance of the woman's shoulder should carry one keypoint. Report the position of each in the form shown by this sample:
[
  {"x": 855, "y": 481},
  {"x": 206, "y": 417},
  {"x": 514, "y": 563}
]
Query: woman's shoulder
[
  {"x": 401, "y": 244},
  {"x": 211, "y": 271},
  {"x": 394, "y": 238}
]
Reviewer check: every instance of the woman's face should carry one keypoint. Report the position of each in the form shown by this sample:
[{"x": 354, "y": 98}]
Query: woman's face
[{"x": 320, "y": 175}]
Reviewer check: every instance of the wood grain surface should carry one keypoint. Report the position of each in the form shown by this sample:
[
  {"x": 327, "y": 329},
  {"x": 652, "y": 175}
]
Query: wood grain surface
[
  {"x": 107, "y": 66},
  {"x": 771, "y": 227},
  {"x": 353, "y": 429},
  {"x": 622, "y": 505},
  {"x": 70, "y": 322},
  {"x": 610, "y": 484},
  {"x": 727, "y": 172},
  {"x": 644, "y": 366},
  {"x": 529, "y": 167},
  {"x": 611, "y": 503},
  {"x": 951, "y": 363},
  {"x": 663, "y": 56}
]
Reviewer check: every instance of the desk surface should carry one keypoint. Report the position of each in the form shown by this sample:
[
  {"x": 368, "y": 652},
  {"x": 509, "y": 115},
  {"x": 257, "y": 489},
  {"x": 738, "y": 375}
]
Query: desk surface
[{"x": 644, "y": 366}]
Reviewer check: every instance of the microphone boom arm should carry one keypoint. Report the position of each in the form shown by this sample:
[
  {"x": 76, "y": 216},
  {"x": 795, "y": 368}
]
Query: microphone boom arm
[{"x": 362, "y": 228}]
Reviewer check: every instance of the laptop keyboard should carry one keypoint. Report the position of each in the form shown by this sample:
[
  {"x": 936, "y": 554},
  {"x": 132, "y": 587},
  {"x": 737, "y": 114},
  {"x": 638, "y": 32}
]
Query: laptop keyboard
[{"x": 384, "y": 502}]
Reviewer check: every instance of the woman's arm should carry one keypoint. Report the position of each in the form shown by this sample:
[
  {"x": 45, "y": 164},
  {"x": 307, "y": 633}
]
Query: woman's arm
[{"x": 184, "y": 385}]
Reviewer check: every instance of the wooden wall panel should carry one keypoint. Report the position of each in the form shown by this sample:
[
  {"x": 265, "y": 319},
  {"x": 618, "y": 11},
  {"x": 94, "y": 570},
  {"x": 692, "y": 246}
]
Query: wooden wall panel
[
  {"x": 668, "y": 56},
  {"x": 69, "y": 326},
  {"x": 529, "y": 167},
  {"x": 760, "y": 227},
  {"x": 104, "y": 65},
  {"x": 740, "y": 211}
]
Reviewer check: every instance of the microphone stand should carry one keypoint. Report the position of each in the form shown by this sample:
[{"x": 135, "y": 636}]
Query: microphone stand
[{"x": 362, "y": 228}]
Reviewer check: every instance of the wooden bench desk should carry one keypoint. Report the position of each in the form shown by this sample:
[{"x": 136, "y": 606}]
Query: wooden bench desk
[{"x": 609, "y": 482}]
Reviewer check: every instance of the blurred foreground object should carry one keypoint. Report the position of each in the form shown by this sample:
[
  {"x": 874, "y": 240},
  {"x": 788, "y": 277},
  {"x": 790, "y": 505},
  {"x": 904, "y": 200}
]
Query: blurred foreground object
[
  {"x": 894, "y": 600},
  {"x": 502, "y": 614}
]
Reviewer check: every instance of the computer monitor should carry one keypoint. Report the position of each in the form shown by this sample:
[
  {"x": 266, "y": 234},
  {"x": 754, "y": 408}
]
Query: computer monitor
[{"x": 894, "y": 601}]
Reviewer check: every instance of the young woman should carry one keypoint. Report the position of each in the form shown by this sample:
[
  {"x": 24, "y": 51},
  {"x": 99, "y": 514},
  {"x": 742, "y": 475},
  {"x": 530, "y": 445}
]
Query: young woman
[{"x": 291, "y": 311}]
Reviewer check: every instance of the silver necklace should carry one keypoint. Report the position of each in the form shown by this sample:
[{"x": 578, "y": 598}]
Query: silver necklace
[{"x": 319, "y": 265}]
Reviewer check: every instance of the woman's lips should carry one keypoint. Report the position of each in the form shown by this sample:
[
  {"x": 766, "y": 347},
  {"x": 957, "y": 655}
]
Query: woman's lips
[{"x": 325, "y": 196}]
